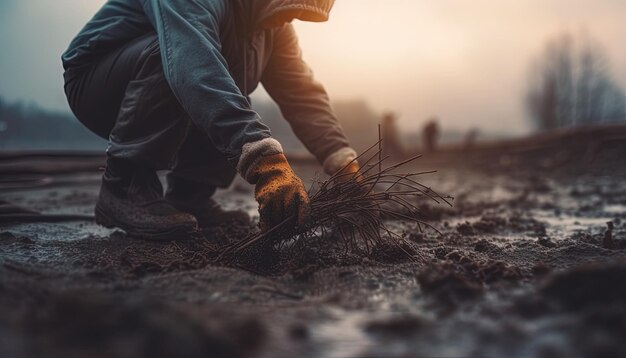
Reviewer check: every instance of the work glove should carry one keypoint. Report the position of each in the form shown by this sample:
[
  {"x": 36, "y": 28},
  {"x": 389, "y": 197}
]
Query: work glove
[
  {"x": 344, "y": 167},
  {"x": 343, "y": 160},
  {"x": 280, "y": 193},
  {"x": 349, "y": 172}
]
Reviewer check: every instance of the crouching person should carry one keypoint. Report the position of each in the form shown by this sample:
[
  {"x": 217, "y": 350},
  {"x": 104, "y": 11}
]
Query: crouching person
[{"x": 167, "y": 83}]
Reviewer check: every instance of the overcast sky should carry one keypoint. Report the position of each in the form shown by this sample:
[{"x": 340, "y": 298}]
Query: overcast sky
[{"x": 465, "y": 61}]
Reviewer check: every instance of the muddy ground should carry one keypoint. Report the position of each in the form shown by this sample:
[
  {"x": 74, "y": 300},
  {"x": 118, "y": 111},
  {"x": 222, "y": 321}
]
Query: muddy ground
[{"x": 525, "y": 264}]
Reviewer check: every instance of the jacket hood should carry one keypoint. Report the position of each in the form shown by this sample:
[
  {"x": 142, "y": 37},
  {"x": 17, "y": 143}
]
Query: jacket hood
[{"x": 259, "y": 12}]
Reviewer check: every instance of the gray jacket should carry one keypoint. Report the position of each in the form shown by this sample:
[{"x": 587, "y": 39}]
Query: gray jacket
[{"x": 215, "y": 53}]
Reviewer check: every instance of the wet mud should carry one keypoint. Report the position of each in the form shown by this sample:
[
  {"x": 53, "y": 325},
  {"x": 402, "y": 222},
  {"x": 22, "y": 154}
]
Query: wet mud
[{"x": 524, "y": 264}]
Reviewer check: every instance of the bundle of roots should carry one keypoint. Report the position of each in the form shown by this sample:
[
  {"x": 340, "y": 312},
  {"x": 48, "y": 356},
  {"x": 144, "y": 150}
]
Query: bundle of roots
[{"x": 353, "y": 207}]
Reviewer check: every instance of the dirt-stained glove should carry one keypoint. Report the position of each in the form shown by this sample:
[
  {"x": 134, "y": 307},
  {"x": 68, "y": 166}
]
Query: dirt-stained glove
[
  {"x": 349, "y": 172},
  {"x": 279, "y": 191},
  {"x": 343, "y": 165},
  {"x": 339, "y": 160}
]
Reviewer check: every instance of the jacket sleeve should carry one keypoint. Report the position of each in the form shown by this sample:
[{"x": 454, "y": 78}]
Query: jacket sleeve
[
  {"x": 188, "y": 32},
  {"x": 303, "y": 102}
]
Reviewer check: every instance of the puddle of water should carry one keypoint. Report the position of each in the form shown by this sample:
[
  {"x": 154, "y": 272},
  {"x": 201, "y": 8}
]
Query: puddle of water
[
  {"x": 343, "y": 334},
  {"x": 500, "y": 193},
  {"x": 569, "y": 224},
  {"x": 230, "y": 200},
  {"x": 69, "y": 231},
  {"x": 558, "y": 226},
  {"x": 615, "y": 209}
]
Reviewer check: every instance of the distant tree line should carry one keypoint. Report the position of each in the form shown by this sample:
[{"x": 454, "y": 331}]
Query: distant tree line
[
  {"x": 571, "y": 84},
  {"x": 28, "y": 126}
]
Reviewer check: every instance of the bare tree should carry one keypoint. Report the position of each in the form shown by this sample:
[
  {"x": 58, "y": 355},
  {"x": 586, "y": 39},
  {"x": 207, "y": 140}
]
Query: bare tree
[{"x": 571, "y": 84}]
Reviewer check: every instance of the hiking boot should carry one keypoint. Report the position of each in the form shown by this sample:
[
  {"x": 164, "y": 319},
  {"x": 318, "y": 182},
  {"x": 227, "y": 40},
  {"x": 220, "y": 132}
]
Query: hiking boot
[
  {"x": 195, "y": 198},
  {"x": 131, "y": 199}
]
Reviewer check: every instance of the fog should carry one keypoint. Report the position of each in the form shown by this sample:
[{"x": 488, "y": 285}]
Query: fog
[{"x": 463, "y": 61}]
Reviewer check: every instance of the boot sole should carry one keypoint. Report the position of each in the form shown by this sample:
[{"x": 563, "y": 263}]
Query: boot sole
[{"x": 175, "y": 234}]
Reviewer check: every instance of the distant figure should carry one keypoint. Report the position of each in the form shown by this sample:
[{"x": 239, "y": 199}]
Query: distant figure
[
  {"x": 392, "y": 145},
  {"x": 430, "y": 135},
  {"x": 470, "y": 138}
]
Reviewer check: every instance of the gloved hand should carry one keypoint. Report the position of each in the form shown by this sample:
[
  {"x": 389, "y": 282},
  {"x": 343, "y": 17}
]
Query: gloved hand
[
  {"x": 343, "y": 160},
  {"x": 279, "y": 192},
  {"x": 349, "y": 172}
]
